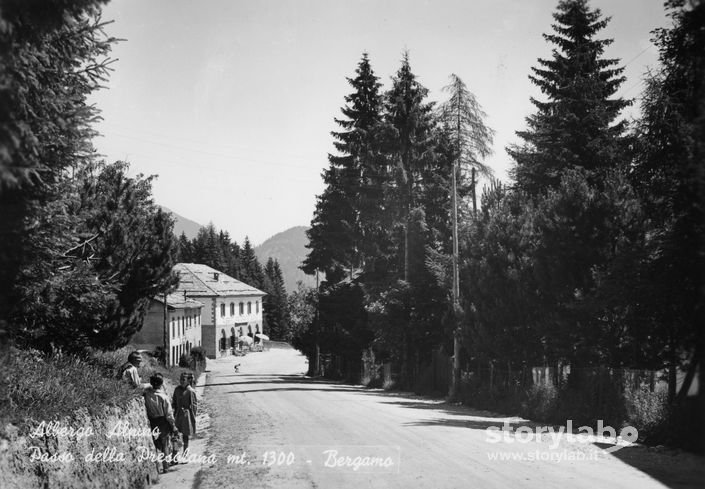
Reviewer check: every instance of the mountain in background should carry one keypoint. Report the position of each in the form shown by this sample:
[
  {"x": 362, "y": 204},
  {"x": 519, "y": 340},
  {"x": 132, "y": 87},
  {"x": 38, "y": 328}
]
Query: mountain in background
[
  {"x": 183, "y": 225},
  {"x": 289, "y": 248}
]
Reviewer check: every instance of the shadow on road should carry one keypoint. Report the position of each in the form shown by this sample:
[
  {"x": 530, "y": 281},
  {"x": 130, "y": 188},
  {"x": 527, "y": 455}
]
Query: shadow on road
[
  {"x": 462, "y": 423},
  {"x": 290, "y": 389},
  {"x": 672, "y": 468},
  {"x": 660, "y": 466},
  {"x": 279, "y": 379}
]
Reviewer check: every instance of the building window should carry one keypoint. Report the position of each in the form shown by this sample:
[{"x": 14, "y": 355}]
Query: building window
[
  {"x": 232, "y": 308},
  {"x": 242, "y": 309},
  {"x": 173, "y": 328},
  {"x": 222, "y": 310},
  {"x": 257, "y": 307},
  {"x": 249, "y": 308}
]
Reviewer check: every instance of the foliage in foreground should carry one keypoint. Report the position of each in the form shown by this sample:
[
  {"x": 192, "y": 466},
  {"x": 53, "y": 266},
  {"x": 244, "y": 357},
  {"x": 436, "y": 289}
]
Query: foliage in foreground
[
  {"x": 98, "y": 254},
  {"x": 82, "y": 247},
  {"x": 47, "y": 387}
]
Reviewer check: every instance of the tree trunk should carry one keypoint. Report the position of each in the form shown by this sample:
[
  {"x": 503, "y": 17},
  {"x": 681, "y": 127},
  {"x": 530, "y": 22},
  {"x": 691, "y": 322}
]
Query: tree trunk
[{"x": 474, "y": 193}]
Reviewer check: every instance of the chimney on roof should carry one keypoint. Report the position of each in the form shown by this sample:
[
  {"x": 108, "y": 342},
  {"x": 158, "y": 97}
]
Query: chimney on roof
[{"x": 215, "y": 276}]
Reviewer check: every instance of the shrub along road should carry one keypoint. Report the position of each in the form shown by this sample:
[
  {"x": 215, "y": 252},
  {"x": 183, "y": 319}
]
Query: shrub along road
[{"x": 282, "y": 430}]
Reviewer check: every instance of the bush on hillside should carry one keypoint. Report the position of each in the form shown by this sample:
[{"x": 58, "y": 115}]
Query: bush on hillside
[{"x": 46, "y": 387}]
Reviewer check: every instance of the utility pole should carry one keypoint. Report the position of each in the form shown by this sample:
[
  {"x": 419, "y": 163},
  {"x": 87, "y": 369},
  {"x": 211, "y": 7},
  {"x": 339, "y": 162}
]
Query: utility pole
[
  {"x": 317, "y": 353},
  {"x": 466, "y": 117},
  {"x": 166, "y": 333},
  {"x": 455, "y": 380}
]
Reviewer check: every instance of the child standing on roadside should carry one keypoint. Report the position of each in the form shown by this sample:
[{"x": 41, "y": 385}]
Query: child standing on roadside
[
  {"x": 185, "y": 407},
  {"x": 159, "y": 413}
]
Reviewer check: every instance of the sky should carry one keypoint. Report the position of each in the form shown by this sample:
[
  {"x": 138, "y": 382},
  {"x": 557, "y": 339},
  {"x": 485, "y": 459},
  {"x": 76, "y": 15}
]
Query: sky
[{"x": 231, "y": 103}]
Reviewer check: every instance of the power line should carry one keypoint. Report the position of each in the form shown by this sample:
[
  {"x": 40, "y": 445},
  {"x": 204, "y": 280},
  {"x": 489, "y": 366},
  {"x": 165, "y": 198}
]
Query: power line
[
  {"x": 212, "y": 153},
  {"x": 638, "y": 55},
  {"x": 216, "y": 169},
  {"x": 201, "y": 143}
]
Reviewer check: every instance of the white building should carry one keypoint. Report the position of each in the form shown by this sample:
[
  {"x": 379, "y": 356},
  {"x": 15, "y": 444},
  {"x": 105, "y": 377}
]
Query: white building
[
  {"x": 183, "y": 325},
  {"x": 231, "y": 308}
]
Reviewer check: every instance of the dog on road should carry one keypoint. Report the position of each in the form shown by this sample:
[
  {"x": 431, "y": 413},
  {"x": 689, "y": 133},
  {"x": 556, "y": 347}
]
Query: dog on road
[{"x": 237, "y": 367}]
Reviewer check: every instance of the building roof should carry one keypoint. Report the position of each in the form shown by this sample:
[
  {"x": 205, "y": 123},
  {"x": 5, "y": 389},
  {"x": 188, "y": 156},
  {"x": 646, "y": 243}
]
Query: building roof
[
  {"x": 178, "y": 300},
  {"x": 198, "y": 280}
]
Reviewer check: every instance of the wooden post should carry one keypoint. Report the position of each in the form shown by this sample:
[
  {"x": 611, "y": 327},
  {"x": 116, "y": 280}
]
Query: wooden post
[
  {"x": 455, "y": 380},
  {"x": 317, "y": 353},
  {"x": 166, "y": 334},
  {"x": 491, "y": 377}
]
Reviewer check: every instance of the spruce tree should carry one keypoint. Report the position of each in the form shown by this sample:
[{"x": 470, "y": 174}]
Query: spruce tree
[
  {"x": 252, "y": 273},
  {"x": 575, "y": 126},
  {"x": 409, "y": 143},
  {"x": 185, "y": 254},
  {"x": 207, "y": 248},
  {"x": 342, "y": 231}
]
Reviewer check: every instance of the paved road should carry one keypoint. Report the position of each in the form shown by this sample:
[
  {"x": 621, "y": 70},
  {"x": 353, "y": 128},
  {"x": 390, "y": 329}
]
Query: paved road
[{"x": 282, "y": 430}]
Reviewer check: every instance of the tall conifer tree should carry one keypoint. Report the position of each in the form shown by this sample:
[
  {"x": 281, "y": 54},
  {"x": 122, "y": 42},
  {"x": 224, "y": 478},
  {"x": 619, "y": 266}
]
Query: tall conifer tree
[
  {"x": 275, "y": 302},
  {"x": 575, "y": 126},
  {"x": 471, "y": 137},
  {"x": 342, "y": 230},
  {"x": 252, "y": 273},
  {"x": 409, "y": 144},
  {"x": 670, "y": 176},
  {"x": 185, "y": 253}
]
